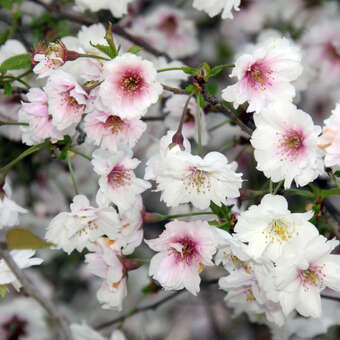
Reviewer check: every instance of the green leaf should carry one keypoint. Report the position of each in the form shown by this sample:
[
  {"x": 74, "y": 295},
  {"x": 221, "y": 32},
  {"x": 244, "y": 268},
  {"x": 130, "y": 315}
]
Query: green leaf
[
  {"x": 109, "y": 38},
  {"x": 3, "y": 290},
  {"x": 329, "y": 192},
  {"x": 18, "y": 238},
  {"x": 337, "y": 173},
  {"x": 216, "y": 70},
  {"x": 212, "y": 88},
  {"x": 17, "y": 62},
  {"x": 190, "y": 88},
  {"x": 8, "y": 88},
  {"x": 105, "y": 49},
  {"x": 134, "y": 49},
  {"x": 189, "y": 70},
  {"x": 6, "y": 3},
  {"x": 298, "y": 192}
]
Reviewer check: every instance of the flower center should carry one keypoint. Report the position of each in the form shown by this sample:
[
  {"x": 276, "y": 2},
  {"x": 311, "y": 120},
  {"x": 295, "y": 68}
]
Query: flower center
[
  {"x": 250, "y": 296},
  {"x": 15, "y": 327},
  {"x": 115, "y": 124},
  {"x": 197, "y": 180},
  {"x": 169, "y": 25},
  {"x": 119, "y": 177},
  {"x": 131, "y": 82},
  {"x": 258, "y": 75},
  {"x": 187, "y": 251},
  {"x": 292, "y": 143},
  {"x": 313, "y": 276},
  {"x": 280, "y": 232}
]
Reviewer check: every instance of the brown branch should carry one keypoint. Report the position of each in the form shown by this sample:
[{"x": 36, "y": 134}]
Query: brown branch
[
  {"x": 175, "y": 90},
  {"x": 63, "y": 325},
  {"x": 115, "y": 28},
  {"x": 152, "y": 306}
]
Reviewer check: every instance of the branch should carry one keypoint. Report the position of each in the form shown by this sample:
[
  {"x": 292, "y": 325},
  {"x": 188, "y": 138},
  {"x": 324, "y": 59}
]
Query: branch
[
  {"x": 329, "y": 297},
  {"x": 63, "y": 326},
  {"x": 152, "y": 306},
  {"x": 115, "y": 28}
]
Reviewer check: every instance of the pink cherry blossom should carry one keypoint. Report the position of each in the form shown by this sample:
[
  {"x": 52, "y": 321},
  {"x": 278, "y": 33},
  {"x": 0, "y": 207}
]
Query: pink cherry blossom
[
  {"x": 117, "y": 183},
  {"x": 265, "y": 74},
  {"x": 66, "y": 99},
  {"x": 130, "y": 86},
  {"x": 184, "y": 248},
  {"x": 36, "y": 113},
  {"x": 109, "y": 131},
  {"x": 103, "y": 262}
]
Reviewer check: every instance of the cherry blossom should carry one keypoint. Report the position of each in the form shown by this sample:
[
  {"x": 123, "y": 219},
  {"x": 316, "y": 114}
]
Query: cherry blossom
[
  {"x": 103, "y": 261},
  {"x": 66, "y": 99},
  {"x": 304, "y": 271},
  {"x": 130, "y": 86},
  {"x": 330, "y": 140},
  {"x": 265, "y": 74},
  {"x": 117, "y": 183},
  {"x": 24, "y": 259},
  {"x": 36, "y": 113},
  {"x": 214, "y": 7},
  {"x": 83, "y": 225},
  {"x": 184, "y": 248},
  {"x": 285, "y": 145},
  {"x": 109, "y": 131},
  {"x": 9, "y": 210},
  {"x": 270, "y": 226}
]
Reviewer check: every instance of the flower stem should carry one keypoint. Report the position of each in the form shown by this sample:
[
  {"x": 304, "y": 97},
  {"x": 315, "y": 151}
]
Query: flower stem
[
  {"x": 13, "y": 123},
  {"x": 93, "y": 56},
  {"x": 72, "y": 173},
  {"x": 80, "y": 154},
  {"x": 170, "y": 69},
  {"x": 277, "y": 188},
  {"x": 219, "y": 125},
  {"x": 199, "y": 125},
  {"x": 170, "y": 217},
  {"x": 227, "y": 146},
  {"x": 270, "y": 186}
]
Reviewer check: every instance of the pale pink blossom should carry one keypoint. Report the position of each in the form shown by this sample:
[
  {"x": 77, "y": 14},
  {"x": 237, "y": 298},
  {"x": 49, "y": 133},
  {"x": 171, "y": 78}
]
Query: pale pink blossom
[
  {"x": 117, "y": 183},
  {"x": 24, "y": 259},
  {"x": 103, "y": 261},
  {"x": 9, "y": 210},
  {"x": 184, "y": 249},
  {"x": 130, "y": 86},
  {"x": 214, "y": 7},
  {"x": 265, "y": 74},
  {"x": 110, "y": 131},
  {"x": 304, "y": 271},
  {"x": 36, "y": 113},
  {"x": 83, "y": 225},
  {"x": 183, "y": 177},
  {"x": 66, "y": 99},
  {"x": 285, "y": 145},
  {"x": 330, "y": 139},
  {"x": 169, "y": 30},
  {"x": 267, "y": 228}
]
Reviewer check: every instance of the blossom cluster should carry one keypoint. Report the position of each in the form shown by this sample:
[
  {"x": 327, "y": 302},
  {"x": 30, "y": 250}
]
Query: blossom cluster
[{"x": 145, "y": 132}]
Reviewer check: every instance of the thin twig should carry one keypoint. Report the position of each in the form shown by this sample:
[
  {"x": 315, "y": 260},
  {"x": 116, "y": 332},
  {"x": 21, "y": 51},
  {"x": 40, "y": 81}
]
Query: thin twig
[
  {"x": 63, "y": 325},
  {"x": 152, "y": 306},
  {"x": 175, "y": 90}
]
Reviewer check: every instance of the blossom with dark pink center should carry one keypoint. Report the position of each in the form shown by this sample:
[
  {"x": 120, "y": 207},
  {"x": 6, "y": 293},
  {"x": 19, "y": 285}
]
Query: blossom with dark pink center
[
  {"x": 130, "y": 86},
  {"x": 184, "y": 248},
  {"x": 109, "y": 131},
  {"x": 117, "y": 183},
  {"x": 36, "y": 113},
  {"x": 285, "y": 145},
  {"x": 66, "y": 99},
  {"x": 265, "y": 74}
]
